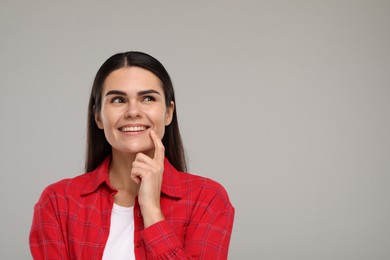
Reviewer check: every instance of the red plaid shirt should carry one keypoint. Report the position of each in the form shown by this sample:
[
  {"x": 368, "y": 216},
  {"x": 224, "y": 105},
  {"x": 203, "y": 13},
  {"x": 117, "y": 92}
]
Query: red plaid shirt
[{"x": 72, "y": 219}]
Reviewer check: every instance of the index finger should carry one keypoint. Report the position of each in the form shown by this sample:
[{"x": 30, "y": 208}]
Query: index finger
[{"x": 159, "y": 150}]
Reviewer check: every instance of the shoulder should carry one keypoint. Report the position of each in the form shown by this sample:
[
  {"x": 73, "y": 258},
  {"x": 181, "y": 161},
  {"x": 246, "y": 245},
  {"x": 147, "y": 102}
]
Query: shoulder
[
  {"x": 206, "y": 190},
  {"x": 65, "y": 188},
  {"x": 196, "y": 181},
  {"x": 82, "y": 184}
]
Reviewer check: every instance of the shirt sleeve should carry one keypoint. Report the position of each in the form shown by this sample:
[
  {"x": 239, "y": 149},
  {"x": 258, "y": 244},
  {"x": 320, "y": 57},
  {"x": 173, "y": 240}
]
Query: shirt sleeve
[
  {"x": 46, "y": 238},
  {"x": 207, "y": 237}
]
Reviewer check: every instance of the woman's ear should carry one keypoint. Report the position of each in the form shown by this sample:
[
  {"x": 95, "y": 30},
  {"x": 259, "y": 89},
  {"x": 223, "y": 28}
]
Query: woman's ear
[
  {"x": 169, "y": 113},
  {"x": 98, "y": 121}
]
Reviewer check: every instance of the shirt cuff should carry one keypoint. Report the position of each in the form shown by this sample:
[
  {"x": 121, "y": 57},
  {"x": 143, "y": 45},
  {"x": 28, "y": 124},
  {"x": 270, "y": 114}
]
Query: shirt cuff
[{"x": 160, "y": 239}]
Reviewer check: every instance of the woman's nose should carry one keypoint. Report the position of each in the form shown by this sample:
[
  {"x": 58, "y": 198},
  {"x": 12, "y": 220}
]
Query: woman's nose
[{"x": 133, "y": 111}]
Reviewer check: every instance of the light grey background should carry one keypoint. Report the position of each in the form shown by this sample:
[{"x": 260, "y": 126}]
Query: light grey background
[{"x": 286, "y": 103}]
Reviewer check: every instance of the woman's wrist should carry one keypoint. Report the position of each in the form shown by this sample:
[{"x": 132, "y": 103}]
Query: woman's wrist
[{"x": 151, "y": 215}]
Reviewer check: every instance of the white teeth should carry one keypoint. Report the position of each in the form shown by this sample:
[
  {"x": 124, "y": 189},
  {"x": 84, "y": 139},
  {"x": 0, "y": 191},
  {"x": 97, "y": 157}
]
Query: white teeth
[{"x": 133, "y": 128}]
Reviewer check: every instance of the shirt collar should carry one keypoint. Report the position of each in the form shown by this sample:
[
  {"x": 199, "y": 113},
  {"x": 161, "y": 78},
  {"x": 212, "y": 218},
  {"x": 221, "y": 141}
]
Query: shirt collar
[
  {"x": 97, "y": 177},
  {"x": 172, "y": 181},
  {"x": 171, "y": 184}
]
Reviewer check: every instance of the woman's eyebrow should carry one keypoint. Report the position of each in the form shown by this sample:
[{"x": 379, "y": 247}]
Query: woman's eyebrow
[
  {"x": 148, "y": 91},
  {"x": 116, "y": 92},
  {"x": 140, "y": 93}
]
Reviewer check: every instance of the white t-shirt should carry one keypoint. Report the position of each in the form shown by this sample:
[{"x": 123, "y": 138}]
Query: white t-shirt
[{"x": 120, "y": 243}]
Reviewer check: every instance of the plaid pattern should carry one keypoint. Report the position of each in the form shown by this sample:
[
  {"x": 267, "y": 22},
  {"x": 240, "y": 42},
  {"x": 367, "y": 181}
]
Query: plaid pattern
[{"x": 72, "y": 219}]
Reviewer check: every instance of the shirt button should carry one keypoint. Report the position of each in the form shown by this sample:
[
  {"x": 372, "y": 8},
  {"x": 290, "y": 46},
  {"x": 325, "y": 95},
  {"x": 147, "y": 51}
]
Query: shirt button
[{"x": 139, "y": 214}]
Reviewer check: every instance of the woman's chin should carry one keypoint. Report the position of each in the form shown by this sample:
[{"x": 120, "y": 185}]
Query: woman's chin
[{"x": 134, "y": 150}]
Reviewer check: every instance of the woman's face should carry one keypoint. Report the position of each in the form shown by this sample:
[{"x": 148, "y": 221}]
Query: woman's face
[{"x": 133, "y": 102}]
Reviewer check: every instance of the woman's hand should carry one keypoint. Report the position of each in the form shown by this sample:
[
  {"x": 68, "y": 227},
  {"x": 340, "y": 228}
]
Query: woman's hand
[{"x": 148, "y": 173}]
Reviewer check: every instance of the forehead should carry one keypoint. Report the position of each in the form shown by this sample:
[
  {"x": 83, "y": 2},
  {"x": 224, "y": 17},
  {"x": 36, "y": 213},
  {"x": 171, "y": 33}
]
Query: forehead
[{"x": 132, "y": 79}]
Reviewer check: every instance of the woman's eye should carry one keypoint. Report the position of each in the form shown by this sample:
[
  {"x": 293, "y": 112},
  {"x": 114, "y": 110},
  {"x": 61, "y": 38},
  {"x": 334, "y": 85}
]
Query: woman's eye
[
  {"x": 118, "y": 100},
  {"x": 149, "y": 98}
]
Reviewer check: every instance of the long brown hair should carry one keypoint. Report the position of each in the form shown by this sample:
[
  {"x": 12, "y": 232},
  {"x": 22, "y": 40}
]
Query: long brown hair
[{"x": 98, "y": 147}]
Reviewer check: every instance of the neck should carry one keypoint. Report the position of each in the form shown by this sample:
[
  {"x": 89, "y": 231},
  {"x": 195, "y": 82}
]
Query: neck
[{"x": 119, "y": 172}]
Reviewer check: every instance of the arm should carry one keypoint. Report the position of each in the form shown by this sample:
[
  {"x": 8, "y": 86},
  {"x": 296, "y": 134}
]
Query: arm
[
  {"x": 208, "y": 233},
  {"x": 206, "y": 238},
  {"x": 46, "y": 238}
]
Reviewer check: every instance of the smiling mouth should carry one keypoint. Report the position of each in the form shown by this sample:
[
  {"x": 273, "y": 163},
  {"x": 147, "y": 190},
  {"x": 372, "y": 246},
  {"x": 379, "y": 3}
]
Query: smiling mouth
[{"x": 133, "y": 129}]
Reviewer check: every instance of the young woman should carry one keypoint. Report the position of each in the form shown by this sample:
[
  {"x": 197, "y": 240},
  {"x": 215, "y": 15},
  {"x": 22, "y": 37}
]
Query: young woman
[{"x": 136, "y": 200}]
